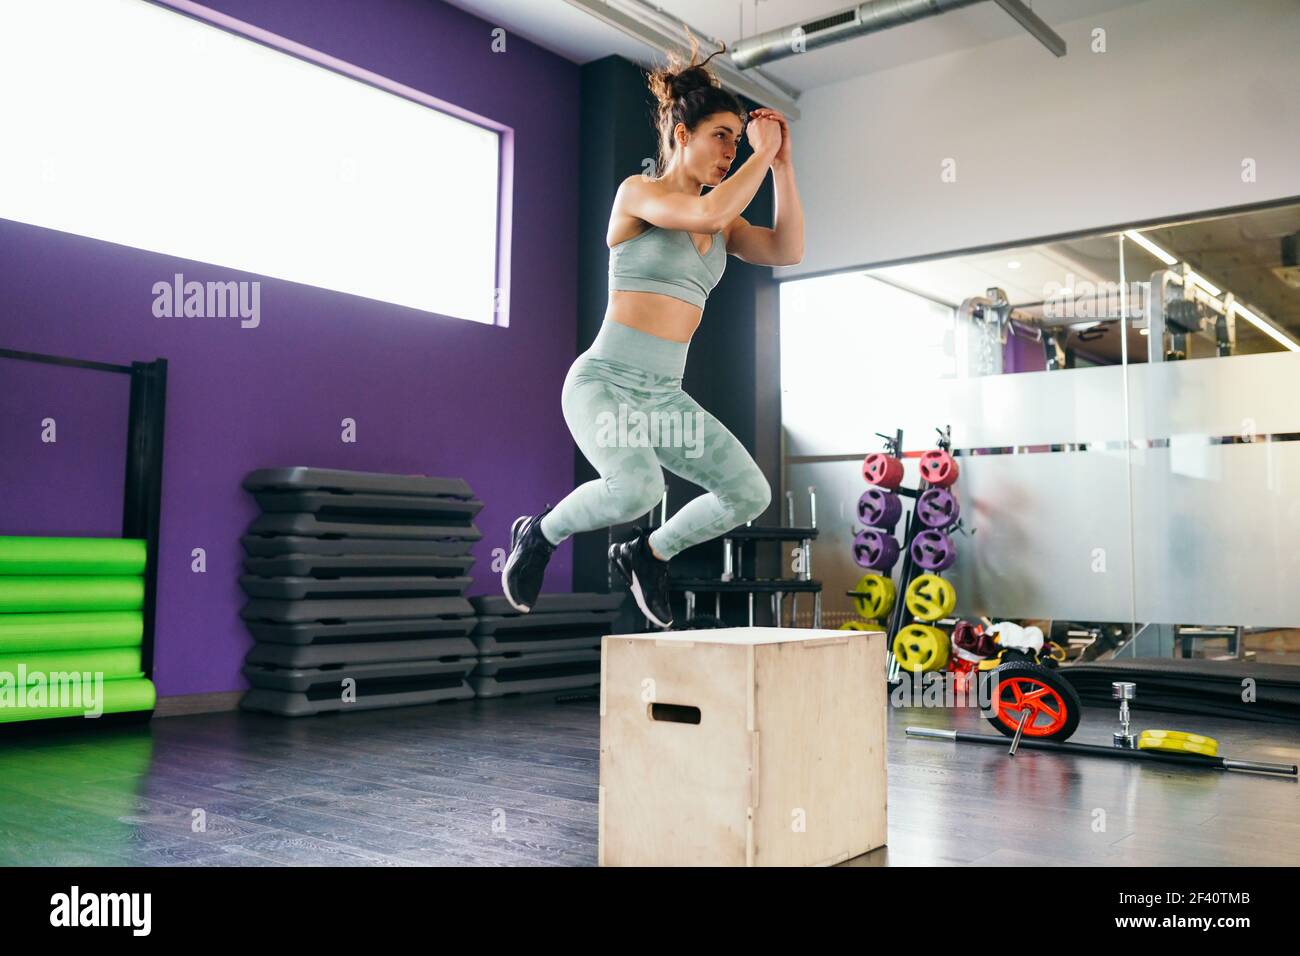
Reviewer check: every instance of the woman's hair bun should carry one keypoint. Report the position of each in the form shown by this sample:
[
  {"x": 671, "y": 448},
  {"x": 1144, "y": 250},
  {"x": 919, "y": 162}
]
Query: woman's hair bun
[
  {"x": 680, "y": 79},
  {"x": 690, "y": 79}
]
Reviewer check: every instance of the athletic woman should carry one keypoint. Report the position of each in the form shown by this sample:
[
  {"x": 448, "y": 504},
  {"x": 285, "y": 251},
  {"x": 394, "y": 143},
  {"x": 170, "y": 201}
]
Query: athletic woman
[{"x": 668, "y": 249}]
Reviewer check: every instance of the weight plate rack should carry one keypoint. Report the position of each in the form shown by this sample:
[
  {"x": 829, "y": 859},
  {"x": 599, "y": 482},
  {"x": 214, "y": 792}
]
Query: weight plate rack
[{"x": 908, "y": 610}]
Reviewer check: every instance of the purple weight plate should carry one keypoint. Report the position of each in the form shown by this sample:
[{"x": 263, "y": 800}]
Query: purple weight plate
[
  {"x": 937, "y": 508},
  {"x": 933, "y": 550},
  {"x": 875, "y": 549},
  {"x": 878, "y": 508}
]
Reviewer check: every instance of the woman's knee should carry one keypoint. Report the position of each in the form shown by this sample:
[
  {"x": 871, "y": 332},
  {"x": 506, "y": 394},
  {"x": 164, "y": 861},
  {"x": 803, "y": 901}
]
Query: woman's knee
[
  {"x": 762, "y": 494},
  {"x": 632, "y": 497},
  {"x": 751, "y": 495}
]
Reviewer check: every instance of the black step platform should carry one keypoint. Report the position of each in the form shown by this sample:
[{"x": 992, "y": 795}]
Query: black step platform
[
  {"x": 335, "y": 479},
  {"x": 343, "y": 609},
  {"x": 358, "y": 565},
  {"x": 497, "y": 634},
  {"x": 361, "y": 652},
  {"x": 393, "y": 508},
  {"x": 354, "y": 526},
  {"x": 279, "y": 545},
  {"x": 501, "y": 674},
  {"x": 430, "y": 686},
  {"x": 343, "y": 633},
  {"x": 495, "y": 604},
  {"x": 432, "y": 690},
  {"x": 379, "y": 588},
  {"x": 314, "y": 680}
]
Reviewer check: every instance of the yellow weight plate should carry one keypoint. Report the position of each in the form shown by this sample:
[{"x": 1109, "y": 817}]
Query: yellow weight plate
[
  {"x": 878, "y": 593},
  {"x": 859, "y": 626},
  {"x": 1176, "y": 746},
  {"x": 920, "y": 648},
  {"x": 1178, "y": 741},
  {"x": 929, "y": 598},
  {"x": 1180, "y": 735}
]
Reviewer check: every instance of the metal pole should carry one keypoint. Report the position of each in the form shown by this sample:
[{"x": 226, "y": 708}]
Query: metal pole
[
  {"x": 1094, "y": 750},
  {"x": 142, "y": 501}
]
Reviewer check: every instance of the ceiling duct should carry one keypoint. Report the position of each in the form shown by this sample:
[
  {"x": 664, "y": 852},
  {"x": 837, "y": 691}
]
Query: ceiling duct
[
  {"x": 870, "y": 17},
  {"x": 665, "y": 33}
]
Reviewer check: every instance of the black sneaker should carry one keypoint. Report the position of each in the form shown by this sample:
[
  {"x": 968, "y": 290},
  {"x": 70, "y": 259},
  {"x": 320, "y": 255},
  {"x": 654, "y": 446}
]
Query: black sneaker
[
  {"x": 521, "y": 578},
  {"x": 646, "y": 575}
]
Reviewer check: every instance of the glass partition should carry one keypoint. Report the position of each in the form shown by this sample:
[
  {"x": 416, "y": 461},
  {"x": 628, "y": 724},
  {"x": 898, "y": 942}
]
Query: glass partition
[
  {"x": 1121, "y": 409},
  {"x": 1214, "y": 402}
]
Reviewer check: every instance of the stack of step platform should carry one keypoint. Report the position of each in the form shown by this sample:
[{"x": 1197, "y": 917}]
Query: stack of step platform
[
  {"x": 555, "y": 646},
  {"x": 356, "y": 583},
  {"x": 71, "y": 614}
]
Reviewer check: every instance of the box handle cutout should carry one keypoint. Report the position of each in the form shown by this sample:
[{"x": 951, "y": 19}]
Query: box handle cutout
[{"x": 675, "y": 713}]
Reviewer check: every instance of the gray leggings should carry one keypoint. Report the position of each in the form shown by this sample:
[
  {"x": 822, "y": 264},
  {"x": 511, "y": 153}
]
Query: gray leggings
[{"x": 624, "y": 404}]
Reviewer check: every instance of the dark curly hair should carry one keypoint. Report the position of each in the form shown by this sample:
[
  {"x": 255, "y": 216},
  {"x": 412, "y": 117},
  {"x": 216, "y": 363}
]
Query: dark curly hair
[{"x": 687, "y": 93}]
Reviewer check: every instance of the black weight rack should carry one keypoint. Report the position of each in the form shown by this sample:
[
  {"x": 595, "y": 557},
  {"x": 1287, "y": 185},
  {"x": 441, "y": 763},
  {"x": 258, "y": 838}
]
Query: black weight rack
[{"x": 732, "y": 579}]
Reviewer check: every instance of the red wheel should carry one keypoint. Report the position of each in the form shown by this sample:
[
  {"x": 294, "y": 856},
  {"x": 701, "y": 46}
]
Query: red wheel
[{"x": 1054, "y": 706}]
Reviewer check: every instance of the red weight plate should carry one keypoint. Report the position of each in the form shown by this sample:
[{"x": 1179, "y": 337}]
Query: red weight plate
[
  {"x": 883, "y": 470},
  {"x": 938, "y": 468}
]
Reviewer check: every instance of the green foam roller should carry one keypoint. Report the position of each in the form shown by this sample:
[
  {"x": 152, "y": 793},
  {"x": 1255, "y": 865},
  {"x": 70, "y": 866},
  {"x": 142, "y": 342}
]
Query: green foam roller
[
  {"x": 20, "y": 555},
  {"x": 112, "y": 662},
  {"x": 72, "y": 630},
  {"x": 119, "y": 696},
  {"x": 71, "y": 593}
]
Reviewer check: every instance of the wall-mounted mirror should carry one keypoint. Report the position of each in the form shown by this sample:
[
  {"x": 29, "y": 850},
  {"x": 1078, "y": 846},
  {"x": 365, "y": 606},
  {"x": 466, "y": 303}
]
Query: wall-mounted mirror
[{"x": 1128, "y": 485}]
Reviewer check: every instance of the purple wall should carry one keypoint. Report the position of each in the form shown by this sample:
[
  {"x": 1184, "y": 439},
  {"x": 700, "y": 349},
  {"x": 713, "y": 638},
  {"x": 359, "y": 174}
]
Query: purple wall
[
  {"x": 430, "y": 394},
  {"x": 1023, "y": 355}
]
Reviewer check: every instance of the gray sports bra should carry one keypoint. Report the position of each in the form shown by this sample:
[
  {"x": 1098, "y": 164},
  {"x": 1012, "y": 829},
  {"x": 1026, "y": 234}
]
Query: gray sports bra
[{"x": 667, "y": 261}]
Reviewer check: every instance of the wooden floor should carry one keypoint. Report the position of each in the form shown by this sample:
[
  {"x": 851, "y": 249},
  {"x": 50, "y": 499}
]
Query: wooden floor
[{"x": 513, "y": 782}]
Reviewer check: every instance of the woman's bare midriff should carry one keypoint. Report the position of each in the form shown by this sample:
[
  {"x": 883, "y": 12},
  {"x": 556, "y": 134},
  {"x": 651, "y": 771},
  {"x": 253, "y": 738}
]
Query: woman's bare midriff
[{"x": 654, "y": 314}]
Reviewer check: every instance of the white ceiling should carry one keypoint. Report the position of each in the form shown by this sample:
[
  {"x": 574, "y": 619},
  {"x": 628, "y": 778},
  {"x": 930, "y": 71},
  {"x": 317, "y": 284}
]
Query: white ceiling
[{"x": 566, "y": 30}]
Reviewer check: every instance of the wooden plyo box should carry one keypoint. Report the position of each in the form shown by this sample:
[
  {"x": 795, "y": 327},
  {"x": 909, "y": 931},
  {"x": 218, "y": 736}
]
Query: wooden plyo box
[{"x": 747, "y": 746}]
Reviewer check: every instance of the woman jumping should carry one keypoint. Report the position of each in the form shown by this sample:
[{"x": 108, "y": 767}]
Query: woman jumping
[{"x": 668, "y": 249}]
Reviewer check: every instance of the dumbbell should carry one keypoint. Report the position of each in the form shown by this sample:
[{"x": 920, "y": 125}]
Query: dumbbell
[{"x": 1123, "y": 691}]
